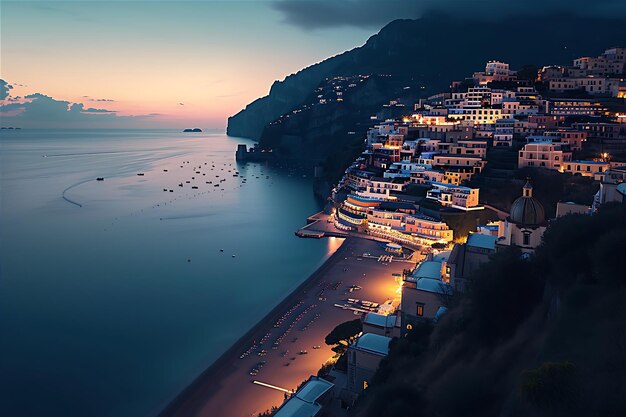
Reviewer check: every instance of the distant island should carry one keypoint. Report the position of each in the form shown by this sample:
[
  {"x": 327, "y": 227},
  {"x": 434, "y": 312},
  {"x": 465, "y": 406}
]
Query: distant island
[{"x": 194, "y": 130}]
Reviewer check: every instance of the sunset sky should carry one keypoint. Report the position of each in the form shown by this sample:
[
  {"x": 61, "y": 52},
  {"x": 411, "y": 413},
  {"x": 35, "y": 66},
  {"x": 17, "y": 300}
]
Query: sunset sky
[
  {"x": 174, "y": 64},
  {"x": 188, "y": 63}
]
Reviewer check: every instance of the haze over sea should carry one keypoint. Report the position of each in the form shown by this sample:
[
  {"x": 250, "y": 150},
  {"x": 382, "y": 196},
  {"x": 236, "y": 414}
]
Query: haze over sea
[{"x": 101, "y": 313}]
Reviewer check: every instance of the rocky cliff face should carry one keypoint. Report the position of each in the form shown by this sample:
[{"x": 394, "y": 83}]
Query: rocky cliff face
[{"x": 434, "y": 50}]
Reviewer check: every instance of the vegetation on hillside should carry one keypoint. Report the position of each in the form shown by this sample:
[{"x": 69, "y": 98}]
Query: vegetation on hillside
[{"x": 538, "y": 336}]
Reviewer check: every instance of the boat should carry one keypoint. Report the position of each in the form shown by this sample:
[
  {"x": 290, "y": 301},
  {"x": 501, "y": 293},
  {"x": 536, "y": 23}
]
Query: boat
[
  {"x": 100, "y": 179},
  {"x": 140, "y": 174}
]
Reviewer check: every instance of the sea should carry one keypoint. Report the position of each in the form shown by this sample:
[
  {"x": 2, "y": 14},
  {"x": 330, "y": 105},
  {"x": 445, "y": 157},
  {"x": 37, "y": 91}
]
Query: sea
[{"x": 116, "y": 294}]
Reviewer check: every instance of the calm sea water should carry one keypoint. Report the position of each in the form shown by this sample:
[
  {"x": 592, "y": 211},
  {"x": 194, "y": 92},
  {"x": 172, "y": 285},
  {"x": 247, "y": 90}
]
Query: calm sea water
[{"x": 114, "y": 294}]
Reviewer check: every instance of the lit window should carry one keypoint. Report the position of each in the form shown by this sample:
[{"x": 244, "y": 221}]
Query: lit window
[{"x": 420, "y": 309}]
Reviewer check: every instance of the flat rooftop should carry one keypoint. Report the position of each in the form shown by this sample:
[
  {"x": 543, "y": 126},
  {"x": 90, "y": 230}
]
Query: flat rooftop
[{"x": 374, "y": 343}]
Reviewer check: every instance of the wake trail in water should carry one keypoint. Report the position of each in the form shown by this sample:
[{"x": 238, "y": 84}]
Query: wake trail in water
[{"x": 66, "y": 198}]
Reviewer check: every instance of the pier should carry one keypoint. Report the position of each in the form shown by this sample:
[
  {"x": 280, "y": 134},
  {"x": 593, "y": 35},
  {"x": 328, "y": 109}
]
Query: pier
[{"x": 319, "y": 226}]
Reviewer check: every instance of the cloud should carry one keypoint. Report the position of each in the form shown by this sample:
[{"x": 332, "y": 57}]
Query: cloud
[
  {"x": 4, "y": 89},
  {"x": 99, "y": 99},
  {"x": 368, "y": 14},
  {"x": 80, "y": 108},
  {"x": 41, "y": 111}
]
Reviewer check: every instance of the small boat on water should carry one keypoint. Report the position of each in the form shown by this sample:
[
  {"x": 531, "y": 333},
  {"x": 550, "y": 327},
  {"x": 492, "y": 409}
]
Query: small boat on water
[
  {"x": 140, "y": 174},
  {"x": 195, "y": 187},
  {"x": 100, "y": 179}
]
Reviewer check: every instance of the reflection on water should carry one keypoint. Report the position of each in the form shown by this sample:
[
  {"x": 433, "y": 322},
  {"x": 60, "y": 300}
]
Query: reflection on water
[
  {"x": 333, "y": 243},
  {"x": 112, "y": 305}
]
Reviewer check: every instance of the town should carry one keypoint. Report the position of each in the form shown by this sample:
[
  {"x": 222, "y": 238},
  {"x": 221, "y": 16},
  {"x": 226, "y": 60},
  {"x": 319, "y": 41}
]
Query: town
[{"x": 423, "y": 189}]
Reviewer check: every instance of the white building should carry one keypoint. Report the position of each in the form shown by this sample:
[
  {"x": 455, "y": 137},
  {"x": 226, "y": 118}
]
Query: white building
[{"x": 544, "y": 154}]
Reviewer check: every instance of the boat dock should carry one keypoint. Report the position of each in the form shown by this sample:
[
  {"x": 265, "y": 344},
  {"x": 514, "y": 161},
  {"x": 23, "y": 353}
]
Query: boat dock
[{"x": 319, "y": 226}]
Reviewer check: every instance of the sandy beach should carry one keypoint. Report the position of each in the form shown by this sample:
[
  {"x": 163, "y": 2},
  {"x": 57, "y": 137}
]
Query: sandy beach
[{"x": 298, "y": 324}]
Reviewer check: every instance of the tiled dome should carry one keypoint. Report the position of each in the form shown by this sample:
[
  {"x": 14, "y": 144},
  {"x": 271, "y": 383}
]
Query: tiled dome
[{"x": 527, "y": 210}]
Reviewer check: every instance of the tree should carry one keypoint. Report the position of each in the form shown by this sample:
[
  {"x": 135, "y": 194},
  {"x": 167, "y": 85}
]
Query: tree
[
  {"x": 550, "y": 386},
  {"x": 344, "y": 332},
  {"x": 528, "y": 72}
]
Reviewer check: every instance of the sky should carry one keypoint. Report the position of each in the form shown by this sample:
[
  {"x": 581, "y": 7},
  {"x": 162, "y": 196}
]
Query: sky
[
  {"x": 156, "y": 64},
  {"x": 166, "y": 64}
]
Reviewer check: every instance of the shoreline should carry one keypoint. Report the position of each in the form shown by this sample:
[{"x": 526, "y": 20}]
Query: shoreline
[{"x": 191, "y": 399}]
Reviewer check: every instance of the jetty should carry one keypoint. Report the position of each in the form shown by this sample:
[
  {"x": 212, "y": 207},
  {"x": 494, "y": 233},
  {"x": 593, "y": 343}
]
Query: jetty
[{"x": 319, "y": 226}]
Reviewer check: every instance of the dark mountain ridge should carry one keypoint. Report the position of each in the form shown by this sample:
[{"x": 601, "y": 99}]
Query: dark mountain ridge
[{"x": 436, "y": 49}]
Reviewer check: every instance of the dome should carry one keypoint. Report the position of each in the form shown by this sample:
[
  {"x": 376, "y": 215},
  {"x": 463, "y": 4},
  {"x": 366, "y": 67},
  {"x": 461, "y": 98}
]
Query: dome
[{"x": 527, "y": 210}]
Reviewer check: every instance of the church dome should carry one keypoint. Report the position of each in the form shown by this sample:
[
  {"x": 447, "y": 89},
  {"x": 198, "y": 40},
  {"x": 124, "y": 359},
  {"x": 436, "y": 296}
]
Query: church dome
[{"x": 527, "y": 210}]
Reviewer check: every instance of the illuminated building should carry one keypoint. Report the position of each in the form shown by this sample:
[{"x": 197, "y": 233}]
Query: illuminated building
[
  {"x": 544, "y": 154},
  {"x": 586, "y": 168},
  {"x": 448, "y": 195},
  {"x": 364, "y": 356},
  {"x": 381, "y": 324},
  {"x": 503, "y": 134},
  {"x": 526, "y": 223},
  {"x": 423, "y": 293},
  {"x": 465, "y": 258}
]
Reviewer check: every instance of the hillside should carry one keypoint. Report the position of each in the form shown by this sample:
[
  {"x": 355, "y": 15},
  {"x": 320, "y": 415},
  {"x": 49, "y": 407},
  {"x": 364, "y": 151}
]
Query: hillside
[
  {"x": 534, "y": 337},
  {"x": 434, "y": 50}
]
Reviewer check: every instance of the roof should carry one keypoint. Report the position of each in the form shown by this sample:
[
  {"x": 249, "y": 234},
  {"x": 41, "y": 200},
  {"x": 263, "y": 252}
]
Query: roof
[
  {"x": 380, "y": 320},
  {"x": 541, "y": 142},
  {"x": 374, "y": 343},
  {"x": 431, "y": 285},
  {"x": 449, "y": 186},
  {"x": 303, "y": 403},
  {"x": 314, "y": 389},
  {"x": 440, "y": 312},
  {"x": 478, "y": 240},
  {"x": 295, "y": 407},
  {"x": 527, "y": 211},
  {"x": 428, "y": 269},
  {"x": 489, "y": 226},
  {"x": 589, "y": 162},
  {"x": 396, "y": 205},
  {"x": 394, "y": 180}
]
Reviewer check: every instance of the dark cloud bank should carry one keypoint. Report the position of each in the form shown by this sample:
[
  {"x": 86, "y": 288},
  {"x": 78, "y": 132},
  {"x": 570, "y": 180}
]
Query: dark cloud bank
[{"x": 373, "y": 14}]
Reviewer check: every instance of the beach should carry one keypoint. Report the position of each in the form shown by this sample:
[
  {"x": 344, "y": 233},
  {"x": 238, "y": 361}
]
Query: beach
[{"x": 299, "y": 325}]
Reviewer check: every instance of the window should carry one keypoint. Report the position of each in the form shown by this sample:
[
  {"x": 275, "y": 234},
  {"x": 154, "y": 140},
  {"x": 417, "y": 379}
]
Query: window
[
  {"x": 526, "y": 239},
  {"x": 420, "y": 309}
]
